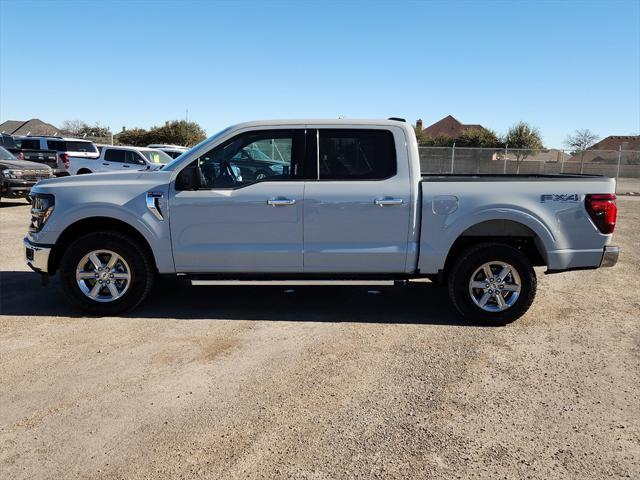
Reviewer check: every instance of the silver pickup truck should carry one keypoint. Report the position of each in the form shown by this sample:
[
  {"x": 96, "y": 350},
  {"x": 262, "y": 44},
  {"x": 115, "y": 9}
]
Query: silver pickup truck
[{"x": 336, "y": 199}]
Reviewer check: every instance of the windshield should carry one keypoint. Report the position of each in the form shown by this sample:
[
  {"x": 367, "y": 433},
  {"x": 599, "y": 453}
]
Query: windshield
[
  {"x": 7, "y": 141},
  {"x": 176, "y": 160},
  {"x": 156, "y": 156},
  {"x": 6, "y": 154}
]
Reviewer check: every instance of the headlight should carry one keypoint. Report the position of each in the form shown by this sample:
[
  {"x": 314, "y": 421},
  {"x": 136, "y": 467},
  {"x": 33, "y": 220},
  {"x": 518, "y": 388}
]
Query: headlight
[
  {"x": 42, "y": 205},
  {"x": 12, "y": 173}
]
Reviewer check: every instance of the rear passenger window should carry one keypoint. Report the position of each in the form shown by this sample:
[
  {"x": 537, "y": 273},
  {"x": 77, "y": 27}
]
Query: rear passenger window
[
  {"x": 29, "y": 143},
  {"x": 356, "y": 154},
  {"x": 114, "y": 156},
  {"x": 57, "y": 145}
]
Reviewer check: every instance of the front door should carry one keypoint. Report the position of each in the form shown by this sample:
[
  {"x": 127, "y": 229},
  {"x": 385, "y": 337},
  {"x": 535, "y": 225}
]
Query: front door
[
  {"x": 246, "y": 213},
  {"x": 357, "y": 212}
]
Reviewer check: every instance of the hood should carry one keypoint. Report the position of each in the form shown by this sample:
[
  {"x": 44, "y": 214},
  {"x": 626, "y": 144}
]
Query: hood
[
  {"x": 23, "y": 165},
  {"x": 98, "y": 180}
]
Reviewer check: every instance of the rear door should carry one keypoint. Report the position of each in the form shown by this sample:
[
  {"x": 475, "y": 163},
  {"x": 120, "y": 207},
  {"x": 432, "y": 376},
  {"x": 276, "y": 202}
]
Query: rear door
[
  {"x": 357, "y": 211},
  {"x": 113, "y": 159},
  {"x": 133, "y": 161},
  {"x": 237, "y": 223}
]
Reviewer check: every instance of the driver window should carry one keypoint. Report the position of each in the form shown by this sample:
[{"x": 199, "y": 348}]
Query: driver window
[{"x": 264, "y": 155}]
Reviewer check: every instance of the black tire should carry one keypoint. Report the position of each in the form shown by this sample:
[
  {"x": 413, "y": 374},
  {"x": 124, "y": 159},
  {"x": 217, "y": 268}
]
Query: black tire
[
  {"x": 140, "y": 265},
  {"x": 469, "y": 261},
  {"x": 84, "y": 172}
]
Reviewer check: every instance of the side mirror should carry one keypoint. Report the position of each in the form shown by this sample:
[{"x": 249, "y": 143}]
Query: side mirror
[{"x": 189, "y": 178}]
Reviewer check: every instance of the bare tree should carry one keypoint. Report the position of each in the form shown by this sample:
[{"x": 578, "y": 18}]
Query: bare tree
[
  {"x": 580, "y": 141},
  {"x": 74, "y": 126}
]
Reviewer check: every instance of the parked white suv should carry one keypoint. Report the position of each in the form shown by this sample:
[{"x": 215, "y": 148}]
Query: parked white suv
[
  {"x": 122, "y": 158},
  {"x": 72, "y": 153}
]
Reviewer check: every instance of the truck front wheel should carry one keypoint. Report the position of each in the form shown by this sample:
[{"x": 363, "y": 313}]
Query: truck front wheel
[
  {"x": 106, "y": 273},
  {"x": 492, "y": 283}
]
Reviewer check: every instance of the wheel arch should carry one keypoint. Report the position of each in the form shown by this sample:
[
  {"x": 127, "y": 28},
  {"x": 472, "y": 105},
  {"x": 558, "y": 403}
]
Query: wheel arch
[
  {"x": 82, "y": 227},
  {"x": 510, "y": 232}
]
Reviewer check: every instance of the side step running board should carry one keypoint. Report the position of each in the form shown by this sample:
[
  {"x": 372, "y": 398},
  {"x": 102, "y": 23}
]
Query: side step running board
[{"x": 293, "y": 282}]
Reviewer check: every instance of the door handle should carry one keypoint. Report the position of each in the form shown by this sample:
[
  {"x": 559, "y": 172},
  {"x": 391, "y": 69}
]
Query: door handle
[
  {"x": 280, "y": 202},
  {"x": 126, "y": 166},
  {"x": 106, "y": 164},
  {"x": 388, "y": 201}
]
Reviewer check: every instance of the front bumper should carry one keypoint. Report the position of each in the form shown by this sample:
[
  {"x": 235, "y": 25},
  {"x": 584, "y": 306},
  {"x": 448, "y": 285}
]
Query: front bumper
[
  {"x": 37, "y": 256},
  {"x": 610, "y": 256},
  {"x": 16, "y": 188}
]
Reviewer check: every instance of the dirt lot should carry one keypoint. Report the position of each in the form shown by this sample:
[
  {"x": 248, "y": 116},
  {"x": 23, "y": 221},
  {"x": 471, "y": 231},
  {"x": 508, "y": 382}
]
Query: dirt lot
[{"x": 322, "y": 382}]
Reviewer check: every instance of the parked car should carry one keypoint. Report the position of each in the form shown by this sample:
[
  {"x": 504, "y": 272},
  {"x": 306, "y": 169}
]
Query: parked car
[
  {"x": 29, "y": 149},
  {"x": 72, "y": 153},
  {"x": 124, "y": 158},
  {"x": 174, "y": 151},
  {"x": 349, "y": 203},
  {"x": 18, "y": 176}
]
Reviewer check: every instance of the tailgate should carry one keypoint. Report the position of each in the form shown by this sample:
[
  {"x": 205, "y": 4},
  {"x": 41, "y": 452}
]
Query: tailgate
[{"x": 47, "y": 157}]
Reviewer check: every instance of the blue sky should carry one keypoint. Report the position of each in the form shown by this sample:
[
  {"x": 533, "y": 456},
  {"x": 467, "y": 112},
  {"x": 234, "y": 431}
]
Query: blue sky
[{"x": 558, "y": 65}]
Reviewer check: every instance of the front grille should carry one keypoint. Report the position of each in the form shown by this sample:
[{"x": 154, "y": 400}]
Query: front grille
[{"x": 35, "y": 175}]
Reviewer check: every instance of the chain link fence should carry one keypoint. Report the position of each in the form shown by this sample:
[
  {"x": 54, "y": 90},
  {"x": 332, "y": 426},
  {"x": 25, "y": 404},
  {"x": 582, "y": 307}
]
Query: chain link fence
[{"x": 623, "y": 165}]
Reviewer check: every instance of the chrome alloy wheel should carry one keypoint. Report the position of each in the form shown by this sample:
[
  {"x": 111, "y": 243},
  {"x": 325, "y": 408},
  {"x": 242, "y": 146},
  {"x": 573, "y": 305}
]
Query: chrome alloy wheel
[
  {"x": 495, "y": 286},
  {"x": 103, "y": 276}
]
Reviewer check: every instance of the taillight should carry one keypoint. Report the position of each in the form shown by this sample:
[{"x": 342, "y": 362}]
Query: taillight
[
  {"x": 603, "y": 210},
  {"x": 65, "y": 159}
]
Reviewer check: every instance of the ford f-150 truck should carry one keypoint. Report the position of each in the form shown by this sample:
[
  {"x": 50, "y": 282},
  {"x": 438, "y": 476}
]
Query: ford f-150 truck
[{"x": 347, "y": 202}]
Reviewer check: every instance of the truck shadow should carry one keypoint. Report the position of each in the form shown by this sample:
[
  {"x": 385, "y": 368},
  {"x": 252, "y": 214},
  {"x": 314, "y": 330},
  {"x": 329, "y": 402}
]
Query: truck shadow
[
  {"x": 13, "y": 203},
  {"x": 21, "y": 294}
]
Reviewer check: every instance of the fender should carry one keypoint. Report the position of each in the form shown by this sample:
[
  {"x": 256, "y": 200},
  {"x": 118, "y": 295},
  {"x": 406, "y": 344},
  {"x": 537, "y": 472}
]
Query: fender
[{"x": 440, "y": 232}]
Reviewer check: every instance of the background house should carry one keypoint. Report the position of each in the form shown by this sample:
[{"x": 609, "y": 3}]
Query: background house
[
  {"x": 35, "y": 126},
  {"x": 607, "y": 151},
  {"x": 448, "y": 126}
]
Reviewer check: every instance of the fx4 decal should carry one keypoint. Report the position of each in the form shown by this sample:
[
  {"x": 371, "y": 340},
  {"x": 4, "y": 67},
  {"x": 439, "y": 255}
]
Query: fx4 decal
[{"x": 560, "y": 197}]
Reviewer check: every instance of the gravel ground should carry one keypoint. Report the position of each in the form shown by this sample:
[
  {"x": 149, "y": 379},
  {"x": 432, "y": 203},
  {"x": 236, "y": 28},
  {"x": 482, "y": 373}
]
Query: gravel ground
[{"x": 322, "y": 382}]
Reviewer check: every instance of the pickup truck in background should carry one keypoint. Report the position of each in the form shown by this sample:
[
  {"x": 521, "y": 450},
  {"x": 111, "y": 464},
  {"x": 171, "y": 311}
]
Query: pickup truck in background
[
  {"x": 348, "y": 202},
  {"x": 25, "y": 152},
  {"x": 18, "y": 176}
]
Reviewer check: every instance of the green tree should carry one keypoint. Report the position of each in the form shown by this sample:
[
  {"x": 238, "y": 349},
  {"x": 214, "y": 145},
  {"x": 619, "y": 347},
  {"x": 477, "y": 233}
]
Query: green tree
[
  {"x": 524, "y": 139},
  {"x": 438, "y": 141},
  {"x": 137, "y": 137},
  {"x": 177, "y": 132},
  {"x": 479, "y": 138},
  {"x": 96, "y": 130},
  {"x": 420, "y": 135}
]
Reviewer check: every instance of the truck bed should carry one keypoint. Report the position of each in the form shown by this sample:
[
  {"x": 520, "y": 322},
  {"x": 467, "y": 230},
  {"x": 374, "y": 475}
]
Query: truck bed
[{"x": 490, "y": 177}]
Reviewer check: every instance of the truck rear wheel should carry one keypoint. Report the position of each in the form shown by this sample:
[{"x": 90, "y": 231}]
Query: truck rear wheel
[
  {"x": 106, "y": 273},
  {"x": 492, "y": 283}
]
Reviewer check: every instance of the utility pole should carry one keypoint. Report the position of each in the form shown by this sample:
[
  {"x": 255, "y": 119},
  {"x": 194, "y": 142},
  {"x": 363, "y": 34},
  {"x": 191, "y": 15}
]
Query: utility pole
[
  {"x": 506, "y": 151},
  {"x": 453, "y": 155},
  {"x": 618, "y": 170}
]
